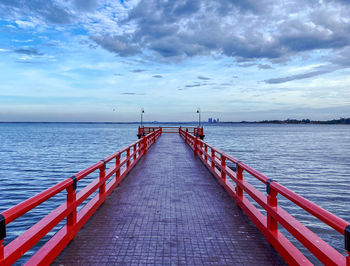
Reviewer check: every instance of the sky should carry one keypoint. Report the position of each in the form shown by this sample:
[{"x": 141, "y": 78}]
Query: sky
[{"x": 99, "y": 60}]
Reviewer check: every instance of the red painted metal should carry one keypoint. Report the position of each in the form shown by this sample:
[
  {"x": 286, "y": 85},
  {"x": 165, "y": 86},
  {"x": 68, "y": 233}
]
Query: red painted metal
[
  {"x": 68, "y": 209},
  {"x": 147, "y": 130},
  {"x": 215, "y": 160}
]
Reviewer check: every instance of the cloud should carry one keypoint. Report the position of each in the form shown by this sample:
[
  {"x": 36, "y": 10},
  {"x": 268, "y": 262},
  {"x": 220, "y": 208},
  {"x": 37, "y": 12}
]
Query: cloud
[
  {"x": 138, "y": 70},
  {"x": 85, "y": 5},
  {"x": 319, "y": 71},
  {"x": 132, "y": 93},
  {"x": 247, "y": 65},
  {"x": 246, "y": 30},
  {"x": 28, "y": 51},
  {"x": 157, "y": 76},
  {"x": 203, "y": 78},
  {"x": 264, "y": 66},
  {"x": 48, "y": 11},
  {"x": 193, "y": 85},
  {"x": 117, "y": 44}
]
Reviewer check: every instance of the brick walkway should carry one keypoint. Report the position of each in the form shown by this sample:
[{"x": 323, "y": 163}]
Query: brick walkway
[{"x": 169, "y": 211}]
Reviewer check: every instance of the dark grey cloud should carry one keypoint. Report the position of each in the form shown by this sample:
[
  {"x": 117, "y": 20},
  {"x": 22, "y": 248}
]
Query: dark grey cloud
[
  {"x": 28, "y": 51},
  {"x": 319, "y": 71},
  {"x": 193, "y": 85},
  {"x": 138, "y": 70},
  {"x": 117, "y": 44},
  {"x": 203, "y": 78},
  {"x": 157, "y": 76},
  {"x": 264, "y": 66},
  {"x": 244, "y": 29},
  {"x": 173, "y": 30}
]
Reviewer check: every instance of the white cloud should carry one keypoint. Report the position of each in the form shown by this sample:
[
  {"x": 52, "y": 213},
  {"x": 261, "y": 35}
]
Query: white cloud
[{"x": 25, "y": 24}]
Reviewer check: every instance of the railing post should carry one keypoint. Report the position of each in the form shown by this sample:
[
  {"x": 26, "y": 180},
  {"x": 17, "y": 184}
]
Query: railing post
[
  {"x": 239, "y": 175},
  {"x": 144, "y": 142},
  {"x": 101, "y": 178},
  {"x": 72, "y": 217},
  {"x": 212, "y": 158},
  {"x": 117, "y": 165},
  {"x": 201, "y": 148},
  {"x": 347, "y": 244},
  {"x": 223, "y": 166},
  {"x": 195, "y": 148},
  {"x": 1, "y": 252},
  {"x": 2, "y": 236},
  {"x": 127, "y": 157},
  {"x": 272, "y": 224},
  {"x": 205, "y": 153},
  {"x": 135, "y": 148}
]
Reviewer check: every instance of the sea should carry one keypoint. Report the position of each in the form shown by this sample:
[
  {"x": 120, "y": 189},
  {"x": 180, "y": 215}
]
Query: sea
[{"x": 312, "y": 160}]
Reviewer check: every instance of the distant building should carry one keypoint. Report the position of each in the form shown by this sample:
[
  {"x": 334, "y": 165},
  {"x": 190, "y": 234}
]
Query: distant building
[
  {"x": 217, "y": 120},
  {"x": 210, "y": 120},
  {"x": 214, "y": 121}
]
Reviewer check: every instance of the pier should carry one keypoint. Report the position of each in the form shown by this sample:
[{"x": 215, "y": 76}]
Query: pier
[
  {"x": 169, "y": 210},
  {"x": 171, "y": 199}
]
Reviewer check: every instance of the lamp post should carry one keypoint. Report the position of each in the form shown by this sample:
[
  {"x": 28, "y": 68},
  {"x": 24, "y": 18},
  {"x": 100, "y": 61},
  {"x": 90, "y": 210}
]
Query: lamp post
[
  {"x": 142, "y": 112},
  {"x": 199, "y": 116}
]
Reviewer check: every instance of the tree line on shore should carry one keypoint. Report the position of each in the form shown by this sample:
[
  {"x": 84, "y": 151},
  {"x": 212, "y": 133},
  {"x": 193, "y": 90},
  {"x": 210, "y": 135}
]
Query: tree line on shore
[{"x": 305, "y": 121}]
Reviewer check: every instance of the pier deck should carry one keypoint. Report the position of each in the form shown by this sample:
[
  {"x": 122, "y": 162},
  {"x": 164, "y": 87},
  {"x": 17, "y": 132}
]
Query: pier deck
[{"x": 169, "y": 210}]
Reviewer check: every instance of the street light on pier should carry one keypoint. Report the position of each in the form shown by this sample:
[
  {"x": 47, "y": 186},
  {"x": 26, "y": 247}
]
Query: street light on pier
[
  {"x": 142, "y": 112},
  {"x": 199, "y": 116}
]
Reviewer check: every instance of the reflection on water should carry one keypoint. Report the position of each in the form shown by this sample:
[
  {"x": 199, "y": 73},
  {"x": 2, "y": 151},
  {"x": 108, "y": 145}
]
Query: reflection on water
[{"x": 312, "y": 160}]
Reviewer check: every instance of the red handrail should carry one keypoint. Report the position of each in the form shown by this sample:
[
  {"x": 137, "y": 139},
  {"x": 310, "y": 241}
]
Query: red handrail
[
  {"x": 193, "y": 130},
  {"x": 215, "y": 160},
  {"x": 68, "y": 209}
]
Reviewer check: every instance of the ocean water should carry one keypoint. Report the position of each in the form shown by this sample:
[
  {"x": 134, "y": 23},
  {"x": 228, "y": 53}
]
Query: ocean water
[{"x": 312, "y": 160}]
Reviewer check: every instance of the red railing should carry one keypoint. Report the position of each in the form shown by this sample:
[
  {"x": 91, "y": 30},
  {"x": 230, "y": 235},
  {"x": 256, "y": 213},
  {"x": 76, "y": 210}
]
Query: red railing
[
  {"x": 192, "y": 130},
  {"x": 216, "y": 161},
  {"x": 125, "y": 160}
]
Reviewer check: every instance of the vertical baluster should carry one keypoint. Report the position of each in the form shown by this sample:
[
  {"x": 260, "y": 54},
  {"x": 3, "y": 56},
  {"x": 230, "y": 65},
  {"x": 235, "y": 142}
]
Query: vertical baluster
[
  {"x": 135, "y": 148},
  {"x": 347, "y": 244},
  {"x": 72, "y": 217},
  {"x": 2, "y": 236},
  {"x": 1, "y": 252},
  {"x": 205, "y": 153},
  {"x": 212, "y": 158},
  {"x": 101, "y": 179},
  {"x": 117, "y": 165},
  {"x": 128, "y": 157},
  {"x": 272, "y": 224},
  {"x": 239, "y": 175},
  {"x": 195, "y": 148},
  {"x": 223, "y": 166},
  {"x": 144, "y": 145}
]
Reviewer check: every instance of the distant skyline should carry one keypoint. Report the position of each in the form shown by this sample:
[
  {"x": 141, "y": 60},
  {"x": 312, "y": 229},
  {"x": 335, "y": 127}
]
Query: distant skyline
[{"x": 98, "y": 60}]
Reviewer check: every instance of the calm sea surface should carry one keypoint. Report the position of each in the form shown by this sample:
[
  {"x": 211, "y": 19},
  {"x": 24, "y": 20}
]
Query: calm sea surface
[{"x": 312, "y": 160}]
